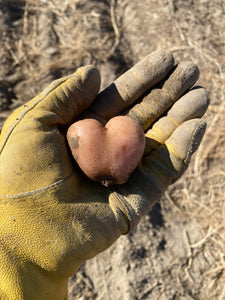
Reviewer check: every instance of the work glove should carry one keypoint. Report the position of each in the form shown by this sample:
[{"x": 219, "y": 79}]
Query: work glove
[{"x": 52, "y": 217}]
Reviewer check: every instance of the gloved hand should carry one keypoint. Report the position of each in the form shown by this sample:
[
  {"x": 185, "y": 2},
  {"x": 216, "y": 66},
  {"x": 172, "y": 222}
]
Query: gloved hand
[{"x": 52, "y": 217}]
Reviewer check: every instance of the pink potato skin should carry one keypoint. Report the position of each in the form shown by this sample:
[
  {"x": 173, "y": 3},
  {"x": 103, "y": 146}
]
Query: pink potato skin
[{"x": 107, "y": 154}]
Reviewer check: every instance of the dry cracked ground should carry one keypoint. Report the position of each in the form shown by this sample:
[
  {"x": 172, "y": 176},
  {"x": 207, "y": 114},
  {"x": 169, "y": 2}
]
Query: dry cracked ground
[{"x": 177, "y": 250}]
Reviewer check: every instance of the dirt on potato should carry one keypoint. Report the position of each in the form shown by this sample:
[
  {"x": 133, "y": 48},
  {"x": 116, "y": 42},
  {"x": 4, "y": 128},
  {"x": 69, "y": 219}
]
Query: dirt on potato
[{"x": 177, "y": 250}]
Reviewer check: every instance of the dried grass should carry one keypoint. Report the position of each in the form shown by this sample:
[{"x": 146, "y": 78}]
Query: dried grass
[
  {"x": 56, "y": 37},
  {"x": 200, "y": 194}
]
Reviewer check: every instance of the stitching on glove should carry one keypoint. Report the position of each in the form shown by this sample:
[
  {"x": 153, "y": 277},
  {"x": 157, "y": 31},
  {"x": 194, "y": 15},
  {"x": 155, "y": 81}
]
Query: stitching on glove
[
  {"x": 173, "y": 121},
  {"x": 147, "y": 107},
  {"x": 126, "y": 209},
  {"x": 30, "y": 193},
  {"x": 172, "y": 149},
  {"x": 159, "y": 132},
  {"x": 165, "y": 92},
  {"x": 128, "y": 95},
  {"x": 137, "y": 77}
]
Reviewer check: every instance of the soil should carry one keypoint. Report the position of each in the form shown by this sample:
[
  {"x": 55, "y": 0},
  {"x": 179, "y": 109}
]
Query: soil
[{"x": 177, "y": 250}]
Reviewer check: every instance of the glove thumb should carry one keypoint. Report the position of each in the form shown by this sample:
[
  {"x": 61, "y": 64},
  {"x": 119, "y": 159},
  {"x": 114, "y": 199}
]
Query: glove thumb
[
  {"x": 62, "y": 101},
  {"x": 69, "y": 96}
]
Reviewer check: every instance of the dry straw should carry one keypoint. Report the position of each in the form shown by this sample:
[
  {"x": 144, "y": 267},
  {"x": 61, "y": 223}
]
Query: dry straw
[{"x": 53, "y": 38}]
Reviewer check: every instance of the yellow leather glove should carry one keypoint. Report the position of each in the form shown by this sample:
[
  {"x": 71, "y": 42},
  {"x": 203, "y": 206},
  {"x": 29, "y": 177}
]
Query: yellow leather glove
[{"x": 52, "y": 218}]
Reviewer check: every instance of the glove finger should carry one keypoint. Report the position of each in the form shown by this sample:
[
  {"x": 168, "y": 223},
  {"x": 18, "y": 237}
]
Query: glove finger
[
  {"x": 191, "y": 105},
  {"x": 157, "y": 171},
  {"x": 169, "y": 161},
  {"x": 159, "y": 100},
  {"x": 183, "y": 143},
  {"x": 131, "y": 85}
]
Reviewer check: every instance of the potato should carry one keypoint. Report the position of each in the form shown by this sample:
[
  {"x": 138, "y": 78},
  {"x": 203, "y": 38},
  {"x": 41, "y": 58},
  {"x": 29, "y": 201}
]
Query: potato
[{"x": 107, "y": 154}]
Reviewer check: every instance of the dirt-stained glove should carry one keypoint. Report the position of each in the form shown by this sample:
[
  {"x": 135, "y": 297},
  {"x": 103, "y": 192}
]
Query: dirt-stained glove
[{"x": 52, "y": 218}]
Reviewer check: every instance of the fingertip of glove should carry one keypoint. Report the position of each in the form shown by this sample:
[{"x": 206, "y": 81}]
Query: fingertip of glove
[
  {"x": 200, "y": 129},
  {"x": 184, "y": 76},
  {"x": 162, "y": 59},
  {"x": 192, "y": 70},
  {"x": 186, "y": 139},
  {"x": 197, "y": 136},
  {"x": 162, "y": 54},
  {"x": 90, "y": 77},
  {"x": 202, "y": 93}
]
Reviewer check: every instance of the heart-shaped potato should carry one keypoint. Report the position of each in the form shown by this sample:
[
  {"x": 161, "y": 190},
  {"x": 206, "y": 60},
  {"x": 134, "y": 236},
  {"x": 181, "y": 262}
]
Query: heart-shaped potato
[{"x": 107, "y": 154}]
